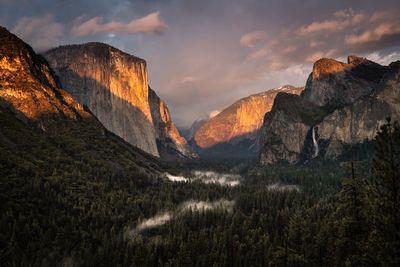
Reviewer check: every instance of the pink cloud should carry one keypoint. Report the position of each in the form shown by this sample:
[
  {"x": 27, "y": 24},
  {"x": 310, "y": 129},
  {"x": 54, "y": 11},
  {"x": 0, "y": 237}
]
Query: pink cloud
[
  {"x": 340, "y": 21},
  {"x": 40, "y": 32},
  {"x": 252, "y": 38},
  {"x": 376, "y": 34},
  {"x": 152, "y": 23},
  {"x": 318, "y": 55},
  {"x": 345, "y": 32}
]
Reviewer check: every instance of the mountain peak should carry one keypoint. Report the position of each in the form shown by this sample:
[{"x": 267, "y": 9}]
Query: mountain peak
[
  {"x": 327, "y": 66},
  {"x": 237, "y": 126},
  {"x": 94, "y": 49},
  {"x": 11, "y": 46},
  {"x": 334, "y": 83},
  {"x": 355, "y": 60},
  {"x": 29, "y": 85}
]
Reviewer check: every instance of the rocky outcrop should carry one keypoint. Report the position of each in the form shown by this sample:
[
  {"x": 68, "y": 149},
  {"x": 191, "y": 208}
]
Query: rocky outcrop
[
  {"x": 359, "y": 122},
  {"x": 238, "y": 125},
  {"x": 169, "y": 141},
  {"x": 113, "y": 85},
  {"x": 27, "y": 84},
  {"x": 342, "y": 106},
  {"x": 286, "y": 127},
  {"x": 46, "y": 129},
  {"x": 333, "y": 83}
]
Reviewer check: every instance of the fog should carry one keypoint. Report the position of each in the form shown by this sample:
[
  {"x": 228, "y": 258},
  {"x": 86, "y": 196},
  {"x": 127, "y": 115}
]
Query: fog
[
  {"x": 208, "y": 177},
  {"x": 221, "y": 204},
  {"x": 283, "y": 187},
  {"x": 155, "y": 221},
  {"x": 174, "y": 178},
  {"x": 192, "y": 205}
]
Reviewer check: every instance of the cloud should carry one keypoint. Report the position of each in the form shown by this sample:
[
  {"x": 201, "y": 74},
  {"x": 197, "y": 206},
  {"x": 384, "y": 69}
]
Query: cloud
[
  {"x": 40, "y": 32},
  {"x": 152, "y": 23},
  {"x": 189, "y": 205},
  {"x": 251, "y": 39},
  {"x": 344, "y": 13},
  {"x": 189, "y": 79},
  {"x": 213, "y": 113},
  {"x": 344, "y": 32},
  {"x": 378, "y": 33},
  {"x": 317, "y": 55},
  {"x": 383, "y": 59},
  {"x": 340, "y": 21}
]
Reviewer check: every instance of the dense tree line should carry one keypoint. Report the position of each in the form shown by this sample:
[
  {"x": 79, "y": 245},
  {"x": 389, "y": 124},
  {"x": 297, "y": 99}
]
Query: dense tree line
[{"x": 77, "y": 212}]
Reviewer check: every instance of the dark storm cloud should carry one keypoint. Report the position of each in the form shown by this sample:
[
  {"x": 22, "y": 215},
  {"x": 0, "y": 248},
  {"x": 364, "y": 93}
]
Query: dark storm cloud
[{"x": 212, "y": 53}]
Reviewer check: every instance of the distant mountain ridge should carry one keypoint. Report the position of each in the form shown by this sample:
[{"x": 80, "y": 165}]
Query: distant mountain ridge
[
  {"x": 234, "y": 131},
  {"x": 339, "y": 112}
]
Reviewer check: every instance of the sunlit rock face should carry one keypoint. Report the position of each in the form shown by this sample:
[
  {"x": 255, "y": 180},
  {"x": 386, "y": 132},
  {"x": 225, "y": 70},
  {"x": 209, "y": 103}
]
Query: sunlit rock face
[
  {"x": 28, "y": 86},
  {"x": 170, "y": 143},
  {"x": 238, "y": 125},
  {"x": 360, "y": 121},
  {"x": 333, "y": 83},
  {"x": 113, "y": 85},
  {"x": 341, "y": 108}
]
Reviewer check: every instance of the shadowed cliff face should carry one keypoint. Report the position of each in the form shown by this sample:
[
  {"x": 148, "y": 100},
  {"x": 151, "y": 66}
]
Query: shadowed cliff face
[
  {"x": 240, "y": 122},
  {"x": 170, "y": 143},
  {"x": 333, "y": 83},
  {"x": 342, "y": 105},
  {"x": 113, "y": 85}
]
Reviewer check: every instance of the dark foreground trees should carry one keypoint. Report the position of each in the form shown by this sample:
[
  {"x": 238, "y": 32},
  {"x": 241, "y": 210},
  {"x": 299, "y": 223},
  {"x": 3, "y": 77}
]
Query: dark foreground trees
[
  {"x": 74, "y": 214},
  {"x": 384, "y": 213}
]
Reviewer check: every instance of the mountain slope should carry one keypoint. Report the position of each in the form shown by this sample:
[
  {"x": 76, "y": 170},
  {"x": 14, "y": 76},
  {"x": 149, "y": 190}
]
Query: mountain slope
[
  {"x": 65, "y": 181},
  {"x": 342, "y": 106},
  {"x": 188, "y": 133},
  {"x": 169, "y": 141},
  {"x": 30, "y": 97},
  {"x": 237, "y": 126},
  {"x": 114, "y": 86}
]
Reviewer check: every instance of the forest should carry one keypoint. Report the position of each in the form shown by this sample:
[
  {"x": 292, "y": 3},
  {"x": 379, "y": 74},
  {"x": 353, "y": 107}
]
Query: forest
[{"x": 79, "y": 211}]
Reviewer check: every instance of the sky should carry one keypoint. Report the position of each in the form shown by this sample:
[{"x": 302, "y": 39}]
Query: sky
[{"x": 204, "y": 55}]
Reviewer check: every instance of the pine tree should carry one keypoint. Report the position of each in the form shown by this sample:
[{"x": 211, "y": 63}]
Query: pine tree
[
  {"x": 352, "y": 226},
  {"x": 385, "y": 196}
]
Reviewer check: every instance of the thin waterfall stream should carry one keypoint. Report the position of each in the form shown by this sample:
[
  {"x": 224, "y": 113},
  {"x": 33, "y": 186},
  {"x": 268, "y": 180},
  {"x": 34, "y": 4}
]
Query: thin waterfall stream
[{"x": 315, "y": 143}]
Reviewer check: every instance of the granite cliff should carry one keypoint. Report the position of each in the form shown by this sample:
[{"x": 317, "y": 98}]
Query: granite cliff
[
  {"x": 341, "y": 108},
  {"x": 28, "y": 86},
  {"x": 44, "y": 128},
  {"x": 169, "y": 141},
  {"x": 114, "y": 87},
  {"x": 235, "y": 130}
]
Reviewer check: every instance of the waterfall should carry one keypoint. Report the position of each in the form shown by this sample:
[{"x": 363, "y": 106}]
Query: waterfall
[{"x": 315, "y": 143}]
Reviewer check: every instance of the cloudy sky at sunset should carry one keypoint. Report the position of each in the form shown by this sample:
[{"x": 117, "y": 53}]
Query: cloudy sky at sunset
[{"x": 204, "y": 55}]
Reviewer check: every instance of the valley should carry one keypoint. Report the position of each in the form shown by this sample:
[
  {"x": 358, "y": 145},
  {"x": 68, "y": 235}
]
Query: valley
[{"x": 94, "y": 170}]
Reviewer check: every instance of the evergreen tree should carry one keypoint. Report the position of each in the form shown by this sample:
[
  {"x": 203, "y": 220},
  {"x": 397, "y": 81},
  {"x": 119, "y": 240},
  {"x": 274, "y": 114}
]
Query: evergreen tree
[
  {"x": 352, "y": 226},
  {"x": 385, "y": 196}
]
